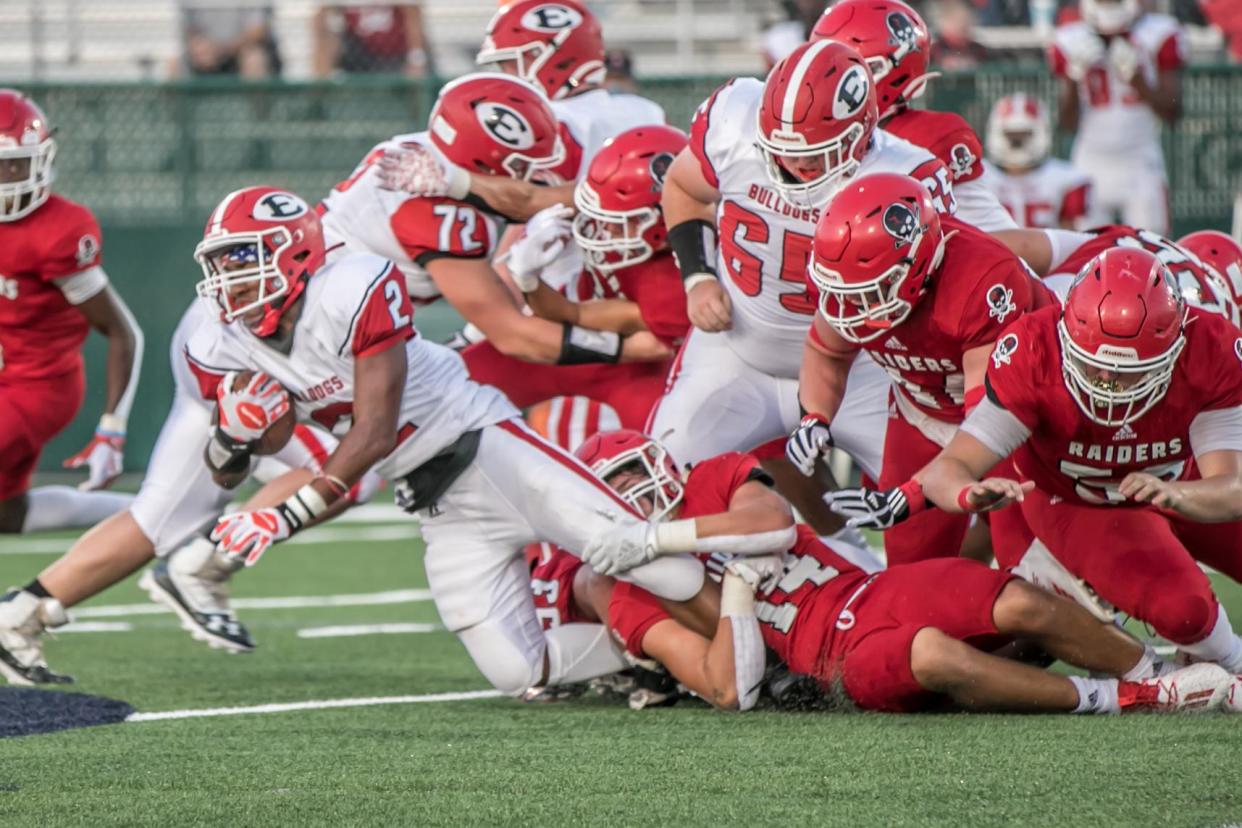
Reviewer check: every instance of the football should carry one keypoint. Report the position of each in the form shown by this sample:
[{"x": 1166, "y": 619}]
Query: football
[{"x": 278, "y": 434}]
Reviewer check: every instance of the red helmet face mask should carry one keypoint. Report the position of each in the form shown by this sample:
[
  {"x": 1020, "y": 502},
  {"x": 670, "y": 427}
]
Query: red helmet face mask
[
  {"x": 875, "y": 247},
  {"x": 893, "y": 40},
  {"x": 1121, "y": 332},
  {"x": 497, "y": 124},
  {"x": 260, "y": 247},
  {"x": 1019, "y": 132},
  {"x": 557, "y": 46},
  {"x": 619, "y": 222},
  {"x": 1222, "y": 254},
  {"x": 27, "y": 151},
  {"x": 816, "y": 119},
  {"x": 637, "y": 467}
]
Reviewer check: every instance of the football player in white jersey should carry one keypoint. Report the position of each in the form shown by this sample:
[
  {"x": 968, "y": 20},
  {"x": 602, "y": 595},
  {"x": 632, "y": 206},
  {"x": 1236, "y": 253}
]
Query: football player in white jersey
[
  {"x": 338, "y": 338},
  {"x": 1120, "y": 77},
  {"x": 501, "y": 126},
  {"x": 764, "y": 158},
  {"x": 1037, "y": 189},
  {"x": 178, "y": 500}
]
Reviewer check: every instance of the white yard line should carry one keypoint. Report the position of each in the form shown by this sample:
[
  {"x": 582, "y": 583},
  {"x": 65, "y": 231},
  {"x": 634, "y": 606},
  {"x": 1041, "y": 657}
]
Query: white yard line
[
  {"x": 366, "y": 599},
  {"x": 324, "y": 704},
  {"x": 334, "y": 532},
  {"x": 345, "y": 630},
  {"x": 96, "y": 626}
]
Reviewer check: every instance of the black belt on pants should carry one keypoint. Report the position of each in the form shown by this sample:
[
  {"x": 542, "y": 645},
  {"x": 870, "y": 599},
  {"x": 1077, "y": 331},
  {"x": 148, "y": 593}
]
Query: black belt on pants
[{"x": 423, "y": 486}]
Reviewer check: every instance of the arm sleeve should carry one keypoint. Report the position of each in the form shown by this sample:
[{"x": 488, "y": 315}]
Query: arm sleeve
[
  {"x": 1216, "y": 430},
  {"x": 995, "y": 427}
]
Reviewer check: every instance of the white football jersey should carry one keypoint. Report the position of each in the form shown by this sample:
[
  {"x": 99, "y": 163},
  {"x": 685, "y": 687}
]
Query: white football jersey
[
  {"x": 765, "y": 240},
  {"x": 1054, "y": 192},
  {"x": 405, "y": 229},
  {"x": 591, "y": 118},
  {"x": 1114, "y": 120},
  {"x": 354, "y": 307}
]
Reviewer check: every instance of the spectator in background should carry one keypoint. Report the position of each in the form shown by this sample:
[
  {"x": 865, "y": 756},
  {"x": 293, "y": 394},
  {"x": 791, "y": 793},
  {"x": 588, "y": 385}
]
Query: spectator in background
[
  {"x": 222, "y": 40},
  {"x": 371, "y": 38},
  {"x": 1226, "y": 15},
  {"x": 620, "y": 72},
  {"x": 781, "y": 38},
  {"x": 954, "y": 46}
]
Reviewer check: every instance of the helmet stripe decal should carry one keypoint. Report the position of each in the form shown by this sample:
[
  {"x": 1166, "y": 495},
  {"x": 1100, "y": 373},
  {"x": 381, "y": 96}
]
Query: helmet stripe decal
[
  {"x": 788, "y": 106},
  {"x": 218, "y": 215}
]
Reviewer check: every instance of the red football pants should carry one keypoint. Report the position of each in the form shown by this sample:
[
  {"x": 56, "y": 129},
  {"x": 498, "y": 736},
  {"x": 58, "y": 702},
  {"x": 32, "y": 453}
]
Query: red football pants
[
  {"x": 631, "y": 388},
  {"x": 32, "y": 412},
  {"x": 1141, "y": 560}
]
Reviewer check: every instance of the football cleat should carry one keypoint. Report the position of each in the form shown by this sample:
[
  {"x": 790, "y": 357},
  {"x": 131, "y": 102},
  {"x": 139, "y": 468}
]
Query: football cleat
[
  {"x": 23, "y": 618},
  {"x": 552, "y": 693},
  {"x": 1233, "y": 698},
  {"x": 193, "y": 583},
  {"x": 1195, "y": 689}
]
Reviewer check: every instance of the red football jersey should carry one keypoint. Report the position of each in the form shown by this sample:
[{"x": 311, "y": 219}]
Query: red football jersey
[
  {"x": 40, "y": 332},
  {"x": 1068, "y": 455},
  {"x": 979, "y": 289},
  {"x": 552, "y": 572},
  {"x": 1180, "y": 261},
  {"x": 945, "y": 135},
  {"x": 656, "y": 286}
]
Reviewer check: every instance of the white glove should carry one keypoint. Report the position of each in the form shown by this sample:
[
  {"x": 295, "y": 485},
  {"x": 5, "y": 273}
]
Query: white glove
[
  {"x": 809, "y": 442},
  {"x": 759, "y": 573},
  {"x": 413, "y": 169},
  {"x": 621, "y": 548},
  {"x": 1124, "y": 58},
  {"x": 247, "y": 413},
  {"x": 547, "y": 233},
  {"x": 249, "y": 534},
  {"x": 103, "y": 456},
  {"x": 1081, "y": 54}
]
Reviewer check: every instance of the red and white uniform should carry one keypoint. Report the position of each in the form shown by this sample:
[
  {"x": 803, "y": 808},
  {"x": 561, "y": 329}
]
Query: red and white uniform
[
  {"x": 588, "y": 119},
  {"x": 953, "y": 141},
  {"x": 738, "y": 389},
  {"x": 178, "y": 498},
  {"x": 408, "y": 230},
  {"x": 552, "y": 572},
  {"x": 1138, "y": 558},
  {"x": 632, "y": 388},
  {"x": 1118, "y": 140},
  {"x": 1054, "y": 194},
  {"x": 979, "y": 288},
  {"x": 517, "y": 490},
  {"x": 830, "y": 619},
  {"x": 45, "y": 258},
  {"x": 1183, "y": 264}
]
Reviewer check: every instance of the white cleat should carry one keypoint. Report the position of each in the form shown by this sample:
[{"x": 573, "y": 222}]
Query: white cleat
[
  {"x": 1233, "y": 698},
  {"x": 1198, "y": 688},
  {"x": 23, "y": 619},
  {"x": 193, "y": 582}
]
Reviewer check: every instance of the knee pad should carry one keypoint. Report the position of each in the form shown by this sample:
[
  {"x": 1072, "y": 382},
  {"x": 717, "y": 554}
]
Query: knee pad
[
  {"x": 509, "y": 662},
  {"x": 1183, "y": 616}
]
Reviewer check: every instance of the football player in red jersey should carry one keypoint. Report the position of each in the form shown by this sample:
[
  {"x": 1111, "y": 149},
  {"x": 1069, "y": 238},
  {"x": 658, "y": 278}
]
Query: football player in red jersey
[
  {"x": 496, "y": 124},
  {"x": 1223, "y": 253},
  {"x": 926, "y": 297},
  {"x": 895, "y": 42},
  {"x": 890, "y": 642},
  {"x": 621, "y": 229},
  {"x": 53, "y": 290},
  {"x": 1103, "y": 405}
]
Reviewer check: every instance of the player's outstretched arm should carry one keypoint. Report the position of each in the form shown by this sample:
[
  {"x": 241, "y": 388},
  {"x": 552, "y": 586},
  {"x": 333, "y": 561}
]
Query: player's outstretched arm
[
  {"x": 1215, "y": 498},
  {"x": 107, "y": 313},
  {"x": 951, "y": 481}
]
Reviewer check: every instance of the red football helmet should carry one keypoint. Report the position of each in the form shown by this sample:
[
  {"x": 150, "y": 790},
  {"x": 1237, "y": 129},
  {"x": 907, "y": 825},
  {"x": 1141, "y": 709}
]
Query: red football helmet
[
  {"x": 496, "y": 124},
  {"x": 1223, "y": 254},
  {"x": 260, "y": 246},
  {"x": 1121, "y": 333},
  {"x": 556, "y": 45},
  {"x": 27, "y": 150},
  {"x": 816, "y": 118},
  {"x": 610, "y": 452},
  {"x": 1019, "y": 132},
  {"x": 893, "y": 41},
  {"x": 619, "y": 223},
  {"x": 875, "y": 248}
]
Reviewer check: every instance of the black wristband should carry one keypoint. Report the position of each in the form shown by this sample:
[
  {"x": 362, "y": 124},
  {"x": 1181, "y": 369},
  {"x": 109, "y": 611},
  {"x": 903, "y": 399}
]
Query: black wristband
[
  {"x": 580, "y": 346},
  {"x": 224, "y": 455},
  {"x": 694, "y": 246}
]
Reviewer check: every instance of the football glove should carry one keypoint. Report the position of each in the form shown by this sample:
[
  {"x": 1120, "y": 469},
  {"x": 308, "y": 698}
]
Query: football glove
[
  {"x": 248, "y": 535},
  {"x": 413, "y": 169},
  {"x": 246, "y": 414},
  {"x": 809, "y": 442},
  {"x": 103, "y": 456},
  {"x": 547, "y": 233},
  {"x": 621, "y": 548},
  {"x": 871, "y": 509}
]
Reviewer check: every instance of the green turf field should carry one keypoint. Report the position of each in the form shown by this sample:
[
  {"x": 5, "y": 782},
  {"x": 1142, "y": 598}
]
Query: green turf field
[{"x": 501, "y": 762}]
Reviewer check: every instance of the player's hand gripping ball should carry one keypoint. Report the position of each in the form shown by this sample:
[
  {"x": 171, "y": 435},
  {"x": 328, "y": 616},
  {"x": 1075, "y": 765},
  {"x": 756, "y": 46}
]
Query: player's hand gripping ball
[{"x": 256, "y": 410}]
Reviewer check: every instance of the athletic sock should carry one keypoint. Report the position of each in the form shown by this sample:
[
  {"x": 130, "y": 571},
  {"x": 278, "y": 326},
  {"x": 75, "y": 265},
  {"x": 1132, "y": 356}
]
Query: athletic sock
[
  {"x": 1146, "y": 666},
  {"x": 63, "y": 507},
  {"x": 37, "y": 589},
  {"x": 577, "y": 652},
  {"x": 1096, "y": 695},
  {"x": 1221, "y": 645}
]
